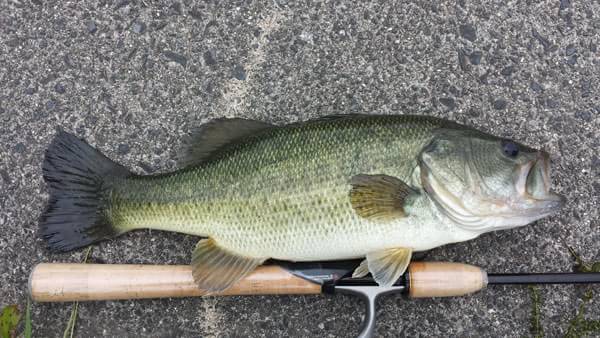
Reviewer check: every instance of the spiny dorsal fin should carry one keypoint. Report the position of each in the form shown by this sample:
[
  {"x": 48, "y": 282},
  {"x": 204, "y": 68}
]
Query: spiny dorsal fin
[
  {"x": 214, "y": 269},
  {"x": 379, "y": 197},
  {"x": 215, "y": 134},
  {"x": 386, "y": 266}
]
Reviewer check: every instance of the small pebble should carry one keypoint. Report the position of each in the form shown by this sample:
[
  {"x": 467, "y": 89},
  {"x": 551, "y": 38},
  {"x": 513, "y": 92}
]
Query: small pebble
[
  {"x": 209, "y": 87},
  {"x": 180, "y": 59},
  {"x": 542, "y": 40},
  {"x": 507, "y": 71},
  {"x": 448, "y": 102},
  {"x": 468, "y": 32},
  {"x": 196, "y": 14},
  {"x": 455, "y": 91},
  {"x": 123, "y": 149},
  {"x": 564, "y": 4},
  {"x": 139, "y": 27},
  {"x": 474, "y": 112},
  {"x": 475, "y": 57},
  {"x": 121, "y": 4},
  {"x": 20, "y": 148},
  {"x": 500, "y": 104},
  {"x": 552, "y": 103},
  {"x": 30, "y": 90},
  {"x": 91, "y": 27},
  {"x": 145, "y": 167},
  {"x": 570, "y": 50},
  {"x": 572, "y": 60},
  {"x": 5, "y": 176},
  {"x": 483, "y": 79},
  {"x": 239, "y": 73},
  {"x": 210, "y": 57},
  {"x": 584, "y": 115},
  {"x": 536, "y": 87},
  {"x": 50, "y": 105},
  {"x": 176, "y": 8},
  {"x": 462, "y": 60},
  {"x": 59, "y": 88},
  {"x": 47, "y": 79},
  {"x": 586, "y": 88},
  {"x": 159, "y": 150}
]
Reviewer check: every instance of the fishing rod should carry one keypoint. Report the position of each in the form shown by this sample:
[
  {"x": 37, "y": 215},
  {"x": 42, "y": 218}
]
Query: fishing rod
[{"x": 66, "y": 282}]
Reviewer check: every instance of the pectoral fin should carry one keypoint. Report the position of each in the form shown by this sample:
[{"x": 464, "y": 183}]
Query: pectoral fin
[
  {"x": 215, "y": 269},
  {"x": 386, "y": 266},
  {"x": 379, "y": 197}
]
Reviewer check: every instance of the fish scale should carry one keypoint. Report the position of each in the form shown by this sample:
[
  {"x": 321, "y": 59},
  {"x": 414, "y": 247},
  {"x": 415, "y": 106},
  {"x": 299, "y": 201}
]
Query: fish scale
[{"x": 283, "y": 193}]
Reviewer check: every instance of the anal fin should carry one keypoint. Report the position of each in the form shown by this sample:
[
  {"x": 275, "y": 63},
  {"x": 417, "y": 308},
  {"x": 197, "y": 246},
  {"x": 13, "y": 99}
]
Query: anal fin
[
  {"x": 215, "y": 269},
  {"x": 362, "y": 270}
]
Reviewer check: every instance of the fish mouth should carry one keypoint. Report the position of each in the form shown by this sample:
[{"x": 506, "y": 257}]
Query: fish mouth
[{"x": 534, "y": 183}]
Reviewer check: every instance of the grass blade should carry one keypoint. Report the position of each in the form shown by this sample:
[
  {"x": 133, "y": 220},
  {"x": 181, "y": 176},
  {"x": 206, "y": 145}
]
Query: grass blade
[
  {"x": 536, "y": 324},
  {"x": 27, "y": 332},
  {"x": 70, "y": 329}
]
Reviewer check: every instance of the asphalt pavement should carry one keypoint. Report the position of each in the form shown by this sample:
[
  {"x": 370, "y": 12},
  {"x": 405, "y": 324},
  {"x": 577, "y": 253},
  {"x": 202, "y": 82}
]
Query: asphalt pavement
[{"x": 134, "y": 77}]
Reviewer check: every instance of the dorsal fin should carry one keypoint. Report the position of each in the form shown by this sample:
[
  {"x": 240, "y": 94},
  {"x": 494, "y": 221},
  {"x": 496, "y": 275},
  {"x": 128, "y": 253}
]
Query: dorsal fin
[{"x": 215, "y": 134}]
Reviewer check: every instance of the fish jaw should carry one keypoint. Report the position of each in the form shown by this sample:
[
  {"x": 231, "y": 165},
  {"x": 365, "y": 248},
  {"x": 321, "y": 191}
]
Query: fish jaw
[
  {"x": 538, "y": 182},
  {"x": 532, "y": 200}
]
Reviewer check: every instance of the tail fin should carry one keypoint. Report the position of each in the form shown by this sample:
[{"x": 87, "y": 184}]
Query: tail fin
[{"x": 77, "y": 176}]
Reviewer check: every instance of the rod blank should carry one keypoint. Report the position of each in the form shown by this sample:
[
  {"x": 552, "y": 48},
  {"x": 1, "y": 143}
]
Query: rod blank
[{"x": 544, "y": 278}]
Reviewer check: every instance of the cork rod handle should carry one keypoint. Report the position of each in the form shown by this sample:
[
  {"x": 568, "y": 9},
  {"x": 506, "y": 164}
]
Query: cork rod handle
[
  {"x": 444, "y": 279},
  {"x": 58, "y": 282}
]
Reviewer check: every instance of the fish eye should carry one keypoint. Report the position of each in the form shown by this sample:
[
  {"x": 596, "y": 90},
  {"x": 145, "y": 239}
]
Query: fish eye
[{"x": 510, "y": 148}]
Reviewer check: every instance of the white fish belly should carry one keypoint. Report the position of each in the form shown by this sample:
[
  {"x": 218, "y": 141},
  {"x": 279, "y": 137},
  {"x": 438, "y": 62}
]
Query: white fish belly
[
  {"x": 322, "y": 225},
  {"x": 350, "y": 237}
]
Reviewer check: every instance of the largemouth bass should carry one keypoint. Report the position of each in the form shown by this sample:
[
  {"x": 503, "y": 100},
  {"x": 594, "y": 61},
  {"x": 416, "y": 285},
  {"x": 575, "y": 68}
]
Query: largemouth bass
[{"x": 339, "y": 187}]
